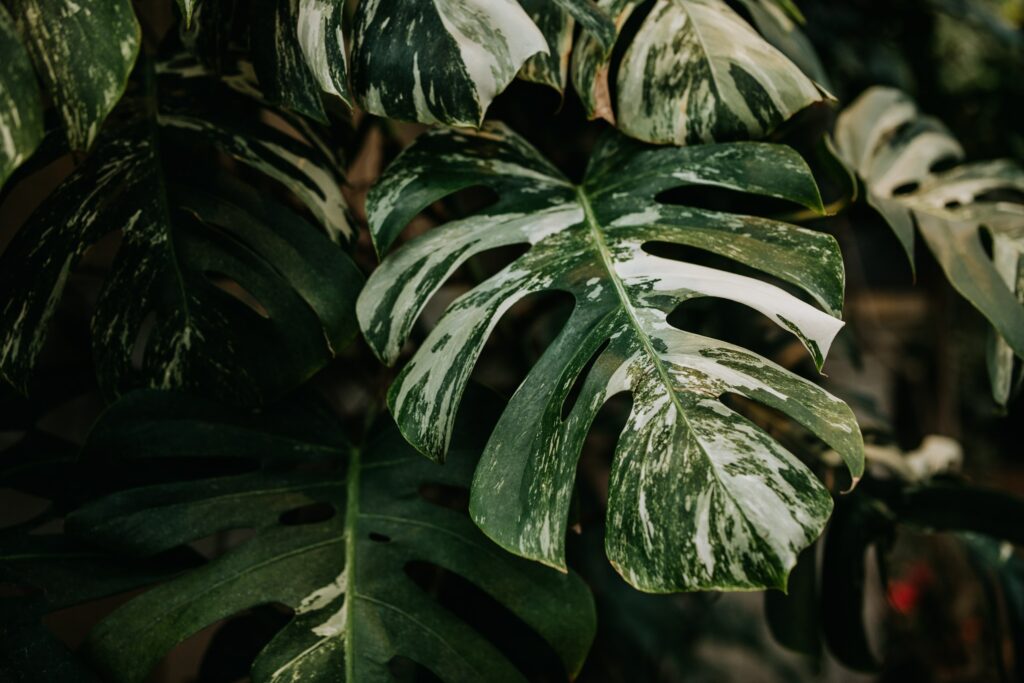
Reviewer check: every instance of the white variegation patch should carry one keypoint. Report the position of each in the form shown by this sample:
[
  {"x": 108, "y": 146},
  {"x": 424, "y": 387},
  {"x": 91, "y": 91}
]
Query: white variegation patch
[
  {"x": 440, "y": 60},
  {"x": 895, "y": 149},
  {"x": 700, "y": 497}
]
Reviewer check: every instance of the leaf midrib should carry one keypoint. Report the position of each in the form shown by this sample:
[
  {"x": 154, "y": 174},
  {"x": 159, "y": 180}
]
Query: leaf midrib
[{"x": 602, "y": 248}]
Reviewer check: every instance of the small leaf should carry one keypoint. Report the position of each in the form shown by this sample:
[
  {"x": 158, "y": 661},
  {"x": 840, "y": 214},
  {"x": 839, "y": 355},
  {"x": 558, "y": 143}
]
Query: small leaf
[
  {"x": 284, "y": 34},
  {"x": 441, "y": 61},
  {"x": 693, "y": 72},
  {"x": 323, "y": 44},
  {"x": 83, "y": 52}
]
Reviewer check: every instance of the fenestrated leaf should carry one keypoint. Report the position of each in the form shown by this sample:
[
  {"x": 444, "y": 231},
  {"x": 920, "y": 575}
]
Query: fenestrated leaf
[
  {"x": 21, "y": 112},
  {"x": 192, "y": 233},
  {"x": 693, "y": 72},
  {"x": 355, "y": 606},
  {"x": 700, "y": 497},
  {"x": 897, "y": 152},
  {"x": 83, "y": 52},
  {"x": 439, "y": 61}
]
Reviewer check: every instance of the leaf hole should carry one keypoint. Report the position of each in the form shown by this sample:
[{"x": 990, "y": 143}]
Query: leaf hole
[
  {"x": 236, "y": 291},
  {"x": 1003, "y": 194},
  {"x": 406, "y": 670},
  {"x": 577, "y": 386},
  {"x": 379, "y": 538},
  {"x": 906, "y": 188},
  {"x": 953, "y": 204},
  {"x": 308, "y": 514},
  {"x": 519, "y": 643},
  {"x": 943, "y": 164},
  {"x": 712, "y": 198},
  {"x": 598, "y": 453},
  {"x": 520, "y": 338},
  {"x": 445, "y": 496}
]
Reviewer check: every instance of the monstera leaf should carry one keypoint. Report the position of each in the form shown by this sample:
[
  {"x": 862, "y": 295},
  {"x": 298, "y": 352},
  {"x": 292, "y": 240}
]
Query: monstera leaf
[
  {"x": 899, "y": 153},
  {"x": 445, "y": 61},
  {"x": 218, "y": 285},
  {"x": 700, "y": 497},
  {"x": 695, "y": 71},
  {"x": 345, "y": 570},
  {"x": 84, "y": 76}
]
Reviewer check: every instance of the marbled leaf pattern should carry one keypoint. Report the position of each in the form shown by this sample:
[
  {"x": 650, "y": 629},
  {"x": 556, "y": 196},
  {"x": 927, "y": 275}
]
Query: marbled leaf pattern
[
  {"x": 895, "y": 150},
  {"x": 439, "y": 60},
  {"x": 21, "y": 109},
  {"x": 83, "y": 52},
  {"x": 700, "y": 497},
  {"x": 181, "y": 233},
  {"x": 355, "y": 606},
  {"x": 696, "y": 72}
]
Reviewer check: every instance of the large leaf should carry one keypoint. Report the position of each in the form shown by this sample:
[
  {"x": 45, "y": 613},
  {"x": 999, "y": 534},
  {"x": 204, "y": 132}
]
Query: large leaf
[
  {"x": 218, "y": 285},
  {"x": 21, "y": 115},
  {"x": 346, "y": 577},
  {"x": 83, "y": 52},
  {"x": 898, "y": 152},
  {"x": 695, "y": 71},
  {"x": 700, "y": 497}
]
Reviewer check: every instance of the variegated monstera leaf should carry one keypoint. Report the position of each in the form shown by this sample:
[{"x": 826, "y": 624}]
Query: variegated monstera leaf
[
  {"x": 700, "y": 497},
  {"x": 900, "y": 154},
  {"x": 697, "y": 72},
  {"x": 446, "y": 60},
  {"x": 82, "y": 76},
  {"x": 219, "y": 286},
  {"x": 337, "y": 534}
]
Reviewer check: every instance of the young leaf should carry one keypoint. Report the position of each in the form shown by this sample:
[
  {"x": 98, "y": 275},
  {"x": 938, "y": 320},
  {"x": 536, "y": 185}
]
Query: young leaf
[
  {"x": 440, "y": 61},
  {"x": 694, "y": 72},
  {"x": 21, "y": 112},
  {"x": 192, "y": 233},
  {"x": 83, "y": 52},
  {"x": 345, "y": 577},
  {"x": 700, "y": 497},
  {"x": 897, "y": 152}
]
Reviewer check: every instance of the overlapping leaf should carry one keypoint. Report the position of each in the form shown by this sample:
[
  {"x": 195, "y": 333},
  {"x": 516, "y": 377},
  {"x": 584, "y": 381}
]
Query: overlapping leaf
[
  {"x": 218, "y": 285},
  {"x": 700, "y": 497},
  {"x": 695, "y": 71},
  {"x": 899, "y": 153},
  {"x": 443, "y": 60},
  {"x": 83, "y": 53},
  {"x": 21, "y": 115},
  {"x": 355, "y": 607}
]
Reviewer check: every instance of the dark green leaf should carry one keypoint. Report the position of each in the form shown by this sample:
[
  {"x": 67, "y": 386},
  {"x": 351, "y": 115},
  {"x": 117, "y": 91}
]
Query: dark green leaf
[
  {"x": 218, "y": 285},
  {"x": 355, "y": 607}
]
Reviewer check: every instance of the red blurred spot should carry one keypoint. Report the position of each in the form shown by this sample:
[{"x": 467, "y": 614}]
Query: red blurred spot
[{"x": 904, "y": 594}]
